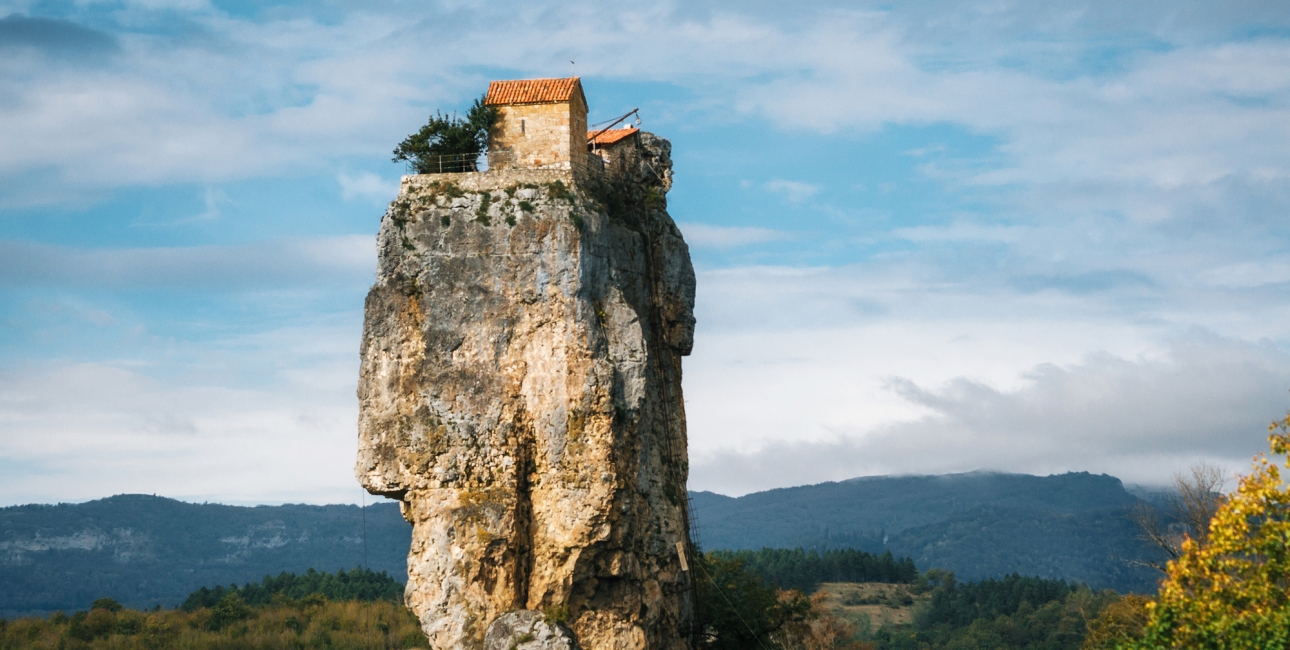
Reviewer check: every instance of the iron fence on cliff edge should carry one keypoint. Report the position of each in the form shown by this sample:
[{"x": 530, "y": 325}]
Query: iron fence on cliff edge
[{"x": 449, "y": 164}]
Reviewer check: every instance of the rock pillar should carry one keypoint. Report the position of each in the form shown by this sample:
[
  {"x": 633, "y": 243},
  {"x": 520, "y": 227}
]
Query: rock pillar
[{"x": 520, "y": 394}]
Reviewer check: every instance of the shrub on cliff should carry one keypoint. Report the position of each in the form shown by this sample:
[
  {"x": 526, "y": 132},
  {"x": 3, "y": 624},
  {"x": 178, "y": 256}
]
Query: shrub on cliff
[{"x": 448, "y": 143}]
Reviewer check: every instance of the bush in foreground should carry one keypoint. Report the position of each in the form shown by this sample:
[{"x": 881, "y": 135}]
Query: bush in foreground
[
  {"x": 346, "y": 609},
  {"x": 1233, "y": 589},
  {"x": 313, "y": 622}
]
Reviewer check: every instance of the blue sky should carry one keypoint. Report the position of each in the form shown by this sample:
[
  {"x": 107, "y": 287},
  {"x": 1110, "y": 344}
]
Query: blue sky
[{"x": 930, "y": 237}]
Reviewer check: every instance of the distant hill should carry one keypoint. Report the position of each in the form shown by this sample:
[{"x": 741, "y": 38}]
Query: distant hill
[
  {"x": 145, "y": 550},
  {"x": 979, "y": 525}
]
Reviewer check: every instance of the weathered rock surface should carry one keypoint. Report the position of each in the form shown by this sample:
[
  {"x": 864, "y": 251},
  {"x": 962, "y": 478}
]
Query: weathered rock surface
[
  {"x": 520, "y": 393},
  {"x": 527, "y": 630}
]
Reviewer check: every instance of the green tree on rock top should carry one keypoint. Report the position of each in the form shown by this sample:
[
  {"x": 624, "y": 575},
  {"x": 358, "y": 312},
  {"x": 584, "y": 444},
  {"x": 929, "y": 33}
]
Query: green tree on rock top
[{"x": 448, "y": 143}]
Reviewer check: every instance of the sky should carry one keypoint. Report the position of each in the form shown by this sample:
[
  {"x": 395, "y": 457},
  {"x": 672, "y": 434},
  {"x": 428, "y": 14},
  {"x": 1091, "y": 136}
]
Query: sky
[{"x": 929, "y": 236}]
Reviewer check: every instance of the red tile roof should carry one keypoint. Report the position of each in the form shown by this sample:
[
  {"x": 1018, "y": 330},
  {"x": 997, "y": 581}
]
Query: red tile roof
[
  {"x": 610, "y": 137},
  {"x": 533, "y": 91}
]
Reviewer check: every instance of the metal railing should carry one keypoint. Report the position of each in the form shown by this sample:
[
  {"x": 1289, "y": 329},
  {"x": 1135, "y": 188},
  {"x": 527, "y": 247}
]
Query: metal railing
[
  {"x": 448, "y": 164},
  {"x": 458, "y": 163}
]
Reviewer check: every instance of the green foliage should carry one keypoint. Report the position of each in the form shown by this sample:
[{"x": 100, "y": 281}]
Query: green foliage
[
  {"x": 230, "y": 609},
  {"x": 1011, "y": 612},
  {"x": 306, "y": 623},
  {"x": 513, "y": 187},
  {"x": 109, "y": 604},
  {"x": 960, "y": 604},
  {"x": 443, "y": 188},
  {"x": 481, "y": 213},
  {"x": 358, "y": 584},
  {"x": 1230, "y": 590},
  {"x": 526, "y": 206},
  {"x": 400, "y": 211},
  {"x": 736, "y": 610},
  {"x": 1118, "y": 623},
  {"x": 87, "y": 626},
  {"x": 448, "y": 137},
  {"x": 805, "y": 570},
  {"x": 655, "y": 199},
  {"x": 556, "y": 614},
  {"x": 558, "y": 190}
]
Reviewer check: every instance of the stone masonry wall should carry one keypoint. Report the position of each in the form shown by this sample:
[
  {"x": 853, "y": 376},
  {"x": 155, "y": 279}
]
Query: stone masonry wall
[
  {"x": 520, "y": 394},
  {"x": 620, "y": 158},
  {"x": 540, "y": 136}
]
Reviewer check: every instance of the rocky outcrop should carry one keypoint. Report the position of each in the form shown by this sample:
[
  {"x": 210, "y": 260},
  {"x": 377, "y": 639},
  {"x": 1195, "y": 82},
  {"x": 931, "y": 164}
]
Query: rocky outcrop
[
  {"x": 520, "y": 394},
  {"x": 527, "y": 630}
]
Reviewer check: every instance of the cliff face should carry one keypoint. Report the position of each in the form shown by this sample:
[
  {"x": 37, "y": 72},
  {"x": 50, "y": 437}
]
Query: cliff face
[{"x": 520, "y": 394}]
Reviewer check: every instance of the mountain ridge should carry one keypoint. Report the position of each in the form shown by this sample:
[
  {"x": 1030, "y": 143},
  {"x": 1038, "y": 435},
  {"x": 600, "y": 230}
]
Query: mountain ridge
[
  {"x": 146, "y": 550},
  {"x": 1073, "y": 525}
]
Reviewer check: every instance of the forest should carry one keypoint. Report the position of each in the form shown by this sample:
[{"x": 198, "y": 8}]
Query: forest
[
  {"x": 804, "y": 570},
  {"x": 1074, "y": 526},
  {"x": 358, "y": 584},
  {"x": 1010, "y": 612},
  {"x": 342, "y": 610},
  {"x": 738, "y": 608},
  {"x": 1216, "y": 588}
]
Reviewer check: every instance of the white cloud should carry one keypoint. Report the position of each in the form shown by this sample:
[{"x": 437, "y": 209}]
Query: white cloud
[
  {"x": 959, "y": 231},
  {"x": 1248, "y": 274},
  {"x": 258, "y": 96},
  {"x": 1123, "y": 204},
  {"x": 794, "y": 191},
  {"x": 1138, "y": 419},
  {"x": 699, "y": 235},
  {"x": 367, "y": 186},
  {"x": 82, "y": 431},
  {"x": 904, "y": 365},
  {"x": 346, "y": 259},
  {"x": 212, "y": 198},
  {"x": 244, "y": 100}
]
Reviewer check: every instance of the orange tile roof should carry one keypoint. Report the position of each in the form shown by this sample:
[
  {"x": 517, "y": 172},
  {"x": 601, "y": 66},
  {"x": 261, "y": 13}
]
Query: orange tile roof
[
  {"x": 610, "y": 137},
  {"x": 532, "y": 91}
]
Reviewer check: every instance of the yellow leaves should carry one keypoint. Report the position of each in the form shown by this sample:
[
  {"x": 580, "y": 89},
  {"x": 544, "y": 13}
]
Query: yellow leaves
[{"x": 1230, "y": 592}]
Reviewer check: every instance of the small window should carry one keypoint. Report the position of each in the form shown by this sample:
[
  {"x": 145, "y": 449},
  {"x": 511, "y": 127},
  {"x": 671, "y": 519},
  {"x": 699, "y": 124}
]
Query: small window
[{"x": 522, "y": 126}]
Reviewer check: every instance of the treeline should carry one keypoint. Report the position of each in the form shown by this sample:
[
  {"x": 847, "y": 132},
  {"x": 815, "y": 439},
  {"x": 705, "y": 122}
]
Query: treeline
[
  {"x": 740, "y": 607},
  {"x": 347, "y": 609},
  {"x": 1010, "y": 612},
  {"x": 805, "y": 570},
  {"x": 358, "y": 584},
  {"x": 959, "y": 604},
  {"x": 313, "y": 622}
]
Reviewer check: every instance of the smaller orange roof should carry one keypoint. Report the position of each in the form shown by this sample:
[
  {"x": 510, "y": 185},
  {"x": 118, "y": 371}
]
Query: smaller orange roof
[
  {"x": 532, "y": 91},
  {"x": 610, "y": 137}
]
